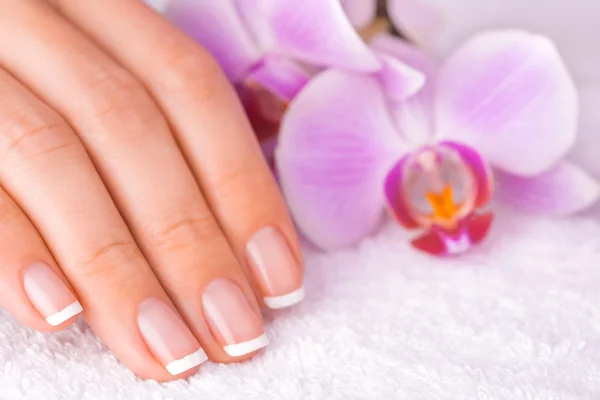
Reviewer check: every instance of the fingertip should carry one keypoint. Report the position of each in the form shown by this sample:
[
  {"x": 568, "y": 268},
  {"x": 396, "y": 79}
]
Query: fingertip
[
  {"x": 276, "y": 268},
  {"x": 223, "y": 357},
  {"x": 68, "y": 313},
  {"x": 161, "y": 374},
  {"x": 38, "y": 323}
]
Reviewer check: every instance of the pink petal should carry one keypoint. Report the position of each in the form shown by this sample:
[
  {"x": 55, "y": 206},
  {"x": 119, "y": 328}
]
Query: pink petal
[
  {"x": 417, "y": 19},
  {"x": 508, "y": 95},
  {"x": 415, "y": 115},
  {"x": 316, "y": 32},
  {"x": 216, "y": 25},
  {"x": 407, "y": 53},
  {"x": 280, "y": 76},
  {"x": 360, "y": 12},
  {"x": 399, "y": 80},
  {"x": 334, "y": 152},
  {"x": 572, "y": 25},
  {"x": 565, "y": 189},
  {"x": 480, "y": 169}
]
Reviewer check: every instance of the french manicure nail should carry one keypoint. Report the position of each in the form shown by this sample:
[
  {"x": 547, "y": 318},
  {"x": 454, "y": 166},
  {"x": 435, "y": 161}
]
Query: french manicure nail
[
  {"x": 49, "y": 294},
  {"x": 275, "y": 268},
  {"x": 168, "y": 338},
  {"x": 235, "y": 325}
]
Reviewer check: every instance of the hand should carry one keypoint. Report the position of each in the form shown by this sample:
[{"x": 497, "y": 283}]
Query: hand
[{"x": 133, "y": 186}]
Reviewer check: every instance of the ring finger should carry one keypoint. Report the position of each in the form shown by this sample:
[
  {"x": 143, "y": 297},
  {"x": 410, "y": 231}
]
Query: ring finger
[{"x": 33, "y": 288}]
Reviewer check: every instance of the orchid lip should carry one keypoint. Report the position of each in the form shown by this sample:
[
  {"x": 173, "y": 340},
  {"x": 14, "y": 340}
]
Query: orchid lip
[
  {"x": 469, "y": 233},
  {"x": 438, "y": 187}
]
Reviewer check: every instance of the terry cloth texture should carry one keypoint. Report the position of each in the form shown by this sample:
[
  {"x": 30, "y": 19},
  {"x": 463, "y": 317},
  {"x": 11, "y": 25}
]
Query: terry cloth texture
[{"x": 518, "y": 318}]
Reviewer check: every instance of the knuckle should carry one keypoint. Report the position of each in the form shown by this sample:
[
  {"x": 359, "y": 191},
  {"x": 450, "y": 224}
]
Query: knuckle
[
  {"x": 113, "y": 258},
  {"x": 119, "y": 103},
  {"x": 10, "y": 215},
  {"x": 191, "y": 71},
  {"x": 181, "y": 232},
  {"x": 238, "y": 182},
  {"x": 250, "y": 193},
  {"x": 32, "y": 134}
]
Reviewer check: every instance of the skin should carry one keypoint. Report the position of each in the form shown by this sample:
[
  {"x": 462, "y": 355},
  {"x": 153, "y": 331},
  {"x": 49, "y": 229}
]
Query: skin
[{"x": 127, "y": 165}]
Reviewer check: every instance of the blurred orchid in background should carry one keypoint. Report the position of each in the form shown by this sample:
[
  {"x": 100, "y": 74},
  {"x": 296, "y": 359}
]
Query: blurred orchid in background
[
  {"x": 360, "y": 12},
  {"x": 270, "y": 48},
  {"x": 352, "y": 143},
  {"x": 269, "y": 41}
]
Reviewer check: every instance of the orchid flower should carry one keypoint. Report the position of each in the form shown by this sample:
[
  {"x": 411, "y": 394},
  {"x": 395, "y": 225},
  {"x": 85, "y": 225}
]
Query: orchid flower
[
  {"x": 269, "y": 48},
  {"x": 360, "y": 12},
  {"x": 502, "y": 107},
  {"x": 441, "y": 25}
]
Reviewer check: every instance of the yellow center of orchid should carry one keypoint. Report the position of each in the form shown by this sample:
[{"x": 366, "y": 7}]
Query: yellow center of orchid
[
  {"x": 438, "y": 187},
  {"x": 443, "y": 204}
]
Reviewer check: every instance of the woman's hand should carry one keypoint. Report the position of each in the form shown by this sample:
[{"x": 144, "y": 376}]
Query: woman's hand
[{"x": 132, "y": 183}]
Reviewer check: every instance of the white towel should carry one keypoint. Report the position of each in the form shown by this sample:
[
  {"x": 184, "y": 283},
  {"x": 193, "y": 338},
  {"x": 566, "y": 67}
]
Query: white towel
[{"x": 518, "y": 318}]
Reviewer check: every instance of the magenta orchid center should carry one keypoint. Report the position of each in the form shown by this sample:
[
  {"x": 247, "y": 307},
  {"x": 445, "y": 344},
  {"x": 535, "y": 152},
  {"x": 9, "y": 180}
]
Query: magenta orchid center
[
  {"x": 264, "y": 108},
  {"x": 266, "y": 90},
  {"x": 441, "y": 189},
  {"x": 438, "y": 187}
]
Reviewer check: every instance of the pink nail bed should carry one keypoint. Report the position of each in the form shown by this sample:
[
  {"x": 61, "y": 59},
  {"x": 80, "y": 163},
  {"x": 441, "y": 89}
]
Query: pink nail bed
[
  {"x": 49, "y": 294},
  {"x": 168, "y": 338},
  {"x": 233, "y": 322},
  {"x": 275, "y": 268}
]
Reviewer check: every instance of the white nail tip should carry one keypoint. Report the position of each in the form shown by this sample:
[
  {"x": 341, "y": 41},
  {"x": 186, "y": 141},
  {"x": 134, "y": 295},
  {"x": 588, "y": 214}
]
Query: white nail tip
[
  {"x": 241, "y": 349},
  {"x": 64, "y": 314},
  {"x": 287, "y": 300},
  {"x": 188, "y": 362}
]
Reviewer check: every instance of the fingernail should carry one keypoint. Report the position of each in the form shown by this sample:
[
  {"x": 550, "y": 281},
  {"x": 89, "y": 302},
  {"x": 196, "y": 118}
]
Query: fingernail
[
  {"x": 49, "y": 294},
  {"x": 232, "y": 321},
  {"x": 275, "y": 268},
  {"x": 168, "y": 338}
]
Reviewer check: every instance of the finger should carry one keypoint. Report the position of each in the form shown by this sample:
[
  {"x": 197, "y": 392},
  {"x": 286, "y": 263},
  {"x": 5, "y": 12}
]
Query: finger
[
  {"x": 44, "y": 167},
  {"x": 136, "y": 154},
  {"x": 214, "y": 133},
  {"x": 32, "y": 287}
]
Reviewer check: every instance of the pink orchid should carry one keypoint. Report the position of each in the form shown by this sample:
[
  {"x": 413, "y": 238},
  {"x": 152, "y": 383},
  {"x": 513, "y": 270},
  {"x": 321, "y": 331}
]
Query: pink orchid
[
  {"x": 269, "y": 42},
  {"x": 441, "y": 25},
  {"x": 352, "y": 144},
  {"x": 360, "y": 12},
  {"x": 271, "y": 48}
]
